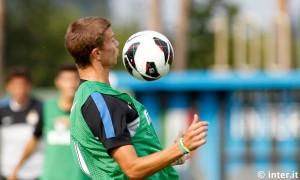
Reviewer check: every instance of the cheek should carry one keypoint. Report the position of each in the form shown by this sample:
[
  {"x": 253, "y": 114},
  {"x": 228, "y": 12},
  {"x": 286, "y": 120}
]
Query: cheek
[
  {"x": 113, "y": 48},
  {"x": 115, "y": 53},
  {"x": 19, "y": 89}
]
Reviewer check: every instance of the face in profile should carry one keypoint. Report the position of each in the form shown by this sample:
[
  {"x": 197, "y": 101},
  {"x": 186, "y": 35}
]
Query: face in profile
[
  {"x": 67, "y": 82},
  {"x": 19, "y": 89},
  {"x": 110, "y": 48}
]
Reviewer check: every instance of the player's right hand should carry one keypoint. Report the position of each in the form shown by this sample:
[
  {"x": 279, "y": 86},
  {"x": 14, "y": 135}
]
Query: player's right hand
[{"x": 195, "y": 135}]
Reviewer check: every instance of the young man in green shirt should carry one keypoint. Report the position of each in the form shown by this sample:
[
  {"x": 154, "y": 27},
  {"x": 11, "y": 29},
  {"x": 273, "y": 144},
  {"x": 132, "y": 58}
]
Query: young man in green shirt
[
  {"x": 111, "y": 133},
  {"x": 59, "y": 163}
]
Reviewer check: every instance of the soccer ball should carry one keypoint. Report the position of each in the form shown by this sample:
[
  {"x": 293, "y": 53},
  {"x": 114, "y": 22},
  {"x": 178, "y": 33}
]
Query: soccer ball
[{"x": 147, "y": 55}]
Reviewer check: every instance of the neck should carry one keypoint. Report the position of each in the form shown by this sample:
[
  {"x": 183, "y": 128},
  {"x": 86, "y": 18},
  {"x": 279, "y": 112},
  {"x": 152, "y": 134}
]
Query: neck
[
  {"x": 19, "y": 104},
  {"x": 65, "y": 103},
  {"x": 95, "y": 73},
  {"x": 22, "y": 101}
]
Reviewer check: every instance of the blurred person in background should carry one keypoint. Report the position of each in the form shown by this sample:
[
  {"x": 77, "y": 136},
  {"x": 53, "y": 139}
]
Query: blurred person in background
[
  {"x": 59, "y": 163},
  {"x": 19, "y": 115}
]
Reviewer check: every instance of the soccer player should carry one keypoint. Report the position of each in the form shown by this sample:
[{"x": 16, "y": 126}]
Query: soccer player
[
  {"x": 111, "y": 132},
  {"x": 59, "y": 163},
  {"x": 19, "y": 116}
]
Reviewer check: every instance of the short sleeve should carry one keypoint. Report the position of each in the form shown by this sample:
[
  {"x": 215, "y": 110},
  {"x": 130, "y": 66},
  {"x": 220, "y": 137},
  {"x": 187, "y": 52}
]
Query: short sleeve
[{"x": 108, "y": 117}]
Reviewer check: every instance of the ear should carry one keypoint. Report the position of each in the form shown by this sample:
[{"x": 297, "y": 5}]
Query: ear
[{"x": 96, "y": 54}]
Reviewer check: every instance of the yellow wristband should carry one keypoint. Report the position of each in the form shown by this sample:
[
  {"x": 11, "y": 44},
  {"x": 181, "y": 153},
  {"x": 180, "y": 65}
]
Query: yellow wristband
[{"x": 183, "y": 147}]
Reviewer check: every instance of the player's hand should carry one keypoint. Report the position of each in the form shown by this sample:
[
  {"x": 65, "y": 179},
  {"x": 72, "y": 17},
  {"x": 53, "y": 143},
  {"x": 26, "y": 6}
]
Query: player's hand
[{"x": 195, "y": 135}]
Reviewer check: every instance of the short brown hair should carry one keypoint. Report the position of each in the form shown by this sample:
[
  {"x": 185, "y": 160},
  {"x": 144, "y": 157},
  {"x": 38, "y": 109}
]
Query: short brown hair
[
  {"x": 18, "y": 72},
  {"x": 83, "y": 36}
]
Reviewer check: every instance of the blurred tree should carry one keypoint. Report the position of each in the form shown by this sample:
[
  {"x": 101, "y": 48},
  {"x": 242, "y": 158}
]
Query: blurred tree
[
  {"x": 201, "y": 38},
  {"x": 35, "y": 37},
  {"x": 35, "y": 33},
  {"x": 87, "y": 8}
]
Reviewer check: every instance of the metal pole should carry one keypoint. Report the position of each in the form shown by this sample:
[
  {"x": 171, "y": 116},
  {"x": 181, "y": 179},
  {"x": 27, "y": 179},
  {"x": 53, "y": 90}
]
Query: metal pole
[
  {"x": 283, "y": 36},
  {"x": 221, "y": 44},
  {"x": 2, "y": 13},
  {"x": 180, "y": 62},
  {"x": 154, "y": 15},
  {"x": 2, "y": 17},
  {"x": 282, "y": 6}
]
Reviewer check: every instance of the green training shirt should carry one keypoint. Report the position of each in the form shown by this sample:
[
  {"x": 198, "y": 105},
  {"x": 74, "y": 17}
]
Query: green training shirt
[
  {"x": 91, "y": 153},
  {"x": 59, "y": 163}
]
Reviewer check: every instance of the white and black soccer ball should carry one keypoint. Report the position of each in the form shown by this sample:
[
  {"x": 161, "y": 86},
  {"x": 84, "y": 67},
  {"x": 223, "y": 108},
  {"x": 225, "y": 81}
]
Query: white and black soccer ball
[{"x": 147, "y": 55}]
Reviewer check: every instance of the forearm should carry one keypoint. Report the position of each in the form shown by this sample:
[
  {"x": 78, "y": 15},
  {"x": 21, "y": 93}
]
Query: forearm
[
  {"x": 142, "y": 167},
  {"x": 147, "y": 165},
  {"x": 28, "y": 150}
]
